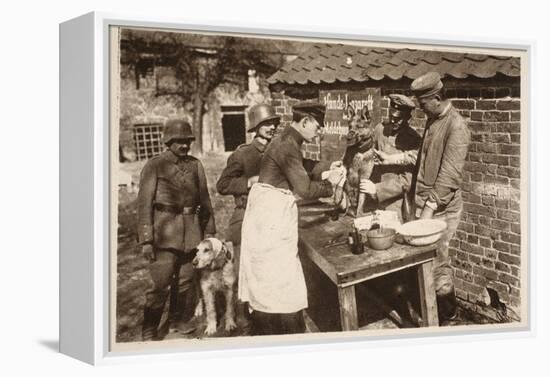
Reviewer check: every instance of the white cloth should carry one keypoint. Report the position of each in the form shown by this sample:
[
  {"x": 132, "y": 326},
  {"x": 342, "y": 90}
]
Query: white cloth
[
  {"x": 271, "y": 278},
  {"x": 339, "y": 197}
]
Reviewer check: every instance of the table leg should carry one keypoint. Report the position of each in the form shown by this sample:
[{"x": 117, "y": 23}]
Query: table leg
[
  {"x": 428, "y": 302},
  {"x": 348, "y": 308}
]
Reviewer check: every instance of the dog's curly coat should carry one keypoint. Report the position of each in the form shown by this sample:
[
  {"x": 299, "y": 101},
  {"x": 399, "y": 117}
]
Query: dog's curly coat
[{"x": 214, "y": 262}]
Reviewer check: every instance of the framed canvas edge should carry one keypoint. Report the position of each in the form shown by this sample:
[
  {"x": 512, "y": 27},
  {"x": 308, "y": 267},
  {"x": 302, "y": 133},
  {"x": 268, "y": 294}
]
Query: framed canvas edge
[{"x": 103, "y": 355}]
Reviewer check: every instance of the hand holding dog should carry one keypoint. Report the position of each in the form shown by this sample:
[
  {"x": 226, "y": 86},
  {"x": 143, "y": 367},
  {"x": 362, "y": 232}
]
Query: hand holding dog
[
  {"x": 367, "y": 186},
  {"x": 334, "y": 176}
]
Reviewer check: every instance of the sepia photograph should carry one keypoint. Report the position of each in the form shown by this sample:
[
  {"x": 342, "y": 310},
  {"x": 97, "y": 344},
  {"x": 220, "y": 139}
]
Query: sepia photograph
[{"x": 268, "y": 187}]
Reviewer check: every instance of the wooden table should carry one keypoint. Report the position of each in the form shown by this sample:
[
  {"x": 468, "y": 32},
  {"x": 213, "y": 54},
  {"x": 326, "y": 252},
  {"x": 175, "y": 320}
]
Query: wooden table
[{"x": 346, "y": 269}]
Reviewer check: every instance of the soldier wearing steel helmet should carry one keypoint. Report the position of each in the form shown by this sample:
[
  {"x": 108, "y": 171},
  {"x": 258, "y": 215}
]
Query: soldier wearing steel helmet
[
  {"x": 243, "y": 165},
  {"x": 174, "y": 215},
  {"x": 242, "y": 171}
]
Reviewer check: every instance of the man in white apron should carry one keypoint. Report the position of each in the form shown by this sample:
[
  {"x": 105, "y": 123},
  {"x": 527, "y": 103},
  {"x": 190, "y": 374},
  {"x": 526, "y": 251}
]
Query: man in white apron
[{"x": 271, "y": 279}]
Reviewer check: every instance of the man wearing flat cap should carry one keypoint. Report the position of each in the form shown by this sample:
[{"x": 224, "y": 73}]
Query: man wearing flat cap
[
  {"x": 271, "y": 279},
  {"x": 441, "y": 159},
  {"x": 174, "y": 215},
  {"x": 243, "y": 170},
  {"x": 396, "y": 147}
]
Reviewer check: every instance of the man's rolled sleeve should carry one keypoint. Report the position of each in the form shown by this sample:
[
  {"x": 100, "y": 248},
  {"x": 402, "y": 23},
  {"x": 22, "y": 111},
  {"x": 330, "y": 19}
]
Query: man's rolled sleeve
[
  {"x": 409, "y": 157},
  {"x": 393, "y": 188},
  {"x": 449, "y": 178}
]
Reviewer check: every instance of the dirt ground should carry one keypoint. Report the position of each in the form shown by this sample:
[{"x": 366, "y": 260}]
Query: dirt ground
[{"x": 133, "y": 279}]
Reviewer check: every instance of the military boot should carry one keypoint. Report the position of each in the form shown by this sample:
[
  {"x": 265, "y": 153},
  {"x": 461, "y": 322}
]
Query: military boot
[
  {"x": 151, "y": 320},
  {"x": 243, "y": 316},
  {"x": 182, "y": 318}
]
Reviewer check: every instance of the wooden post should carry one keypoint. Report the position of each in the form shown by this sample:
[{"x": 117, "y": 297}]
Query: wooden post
[
  {"x": 428, "y": 302},
  {"x": 348, "y": 308}
]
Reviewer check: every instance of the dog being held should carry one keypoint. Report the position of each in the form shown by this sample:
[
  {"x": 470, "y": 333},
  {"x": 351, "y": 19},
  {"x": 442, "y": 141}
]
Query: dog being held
[{"x": 214, "y": 262}]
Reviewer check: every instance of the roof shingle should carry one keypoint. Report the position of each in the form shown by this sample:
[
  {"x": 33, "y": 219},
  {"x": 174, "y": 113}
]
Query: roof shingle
[{"x": 327, "y": 63}]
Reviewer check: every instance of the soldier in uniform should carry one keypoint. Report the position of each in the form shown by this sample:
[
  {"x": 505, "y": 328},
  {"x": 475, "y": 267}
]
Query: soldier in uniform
[
  {"x": 396, "y": 146},
  {"x": 174, "y": 215},
  {"x": 243, "y": 166},
  {"x": 271, "y": 279},
  {"x": 441, "y": 159},
  {"x": 242, "y": 171}
]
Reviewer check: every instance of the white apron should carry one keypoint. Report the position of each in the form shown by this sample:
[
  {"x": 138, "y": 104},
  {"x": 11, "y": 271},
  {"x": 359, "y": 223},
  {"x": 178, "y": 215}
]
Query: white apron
[{"x": 271, "y": 278}]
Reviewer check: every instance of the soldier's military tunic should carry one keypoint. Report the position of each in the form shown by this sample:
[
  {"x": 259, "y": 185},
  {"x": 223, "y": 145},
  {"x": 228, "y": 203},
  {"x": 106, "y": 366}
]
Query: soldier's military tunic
[
  {"x": 390, "y": 179},
  {"x": 271, "y": 277},
  {"x": 174, "y": 212},
  {"x": 284, "y": 167},
  {"x": 242, "y": 164},
  {"x": 443, "y": 154}
]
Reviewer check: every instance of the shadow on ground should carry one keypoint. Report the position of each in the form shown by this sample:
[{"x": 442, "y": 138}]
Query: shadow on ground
[{"x": 52, "y": 345}]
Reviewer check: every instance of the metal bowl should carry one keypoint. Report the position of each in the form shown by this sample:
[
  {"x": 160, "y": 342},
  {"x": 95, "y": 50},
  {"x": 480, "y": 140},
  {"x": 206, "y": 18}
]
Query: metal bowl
[
  {"x": 381, "y": 239},
  {"x": 422, "y": 232}
]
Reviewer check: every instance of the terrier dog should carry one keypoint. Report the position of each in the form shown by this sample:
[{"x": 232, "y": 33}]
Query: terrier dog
[{"x": 214, "y": 262}]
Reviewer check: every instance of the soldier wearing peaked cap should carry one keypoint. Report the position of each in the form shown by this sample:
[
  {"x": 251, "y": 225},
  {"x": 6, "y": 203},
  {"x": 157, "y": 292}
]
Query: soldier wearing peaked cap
[
  {"x": 396, "y": 146},
  {"x": 242, "y": 171},
  {"x": 174, "y": 215},
  {"x": 271, "y": 279},
  {"x": 439, "y": 176},
  {"x": 311, "y": 109}
]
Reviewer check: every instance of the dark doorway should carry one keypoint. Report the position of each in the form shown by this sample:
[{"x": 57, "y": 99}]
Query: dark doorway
[{"x": 233, "y": 125}]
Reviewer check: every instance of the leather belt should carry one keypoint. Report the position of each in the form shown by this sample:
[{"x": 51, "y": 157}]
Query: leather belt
[{"x": 177, "y": 209}]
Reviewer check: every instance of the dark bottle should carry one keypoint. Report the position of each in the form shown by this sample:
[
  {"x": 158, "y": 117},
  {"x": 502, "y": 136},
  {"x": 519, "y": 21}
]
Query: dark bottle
[
  {"x": 352, "y": 242},
  {"x": 408, "y": 207},
  {"x": 355, "y": 242}
]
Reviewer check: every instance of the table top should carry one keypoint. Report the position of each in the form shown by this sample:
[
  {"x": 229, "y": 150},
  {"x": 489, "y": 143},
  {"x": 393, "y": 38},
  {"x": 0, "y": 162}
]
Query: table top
[{"x": 345, "y": 268}]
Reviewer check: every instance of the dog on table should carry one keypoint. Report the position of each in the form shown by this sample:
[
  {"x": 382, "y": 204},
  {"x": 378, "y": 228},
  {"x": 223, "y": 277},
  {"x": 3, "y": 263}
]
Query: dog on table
[{"x": 214, "y": 262}]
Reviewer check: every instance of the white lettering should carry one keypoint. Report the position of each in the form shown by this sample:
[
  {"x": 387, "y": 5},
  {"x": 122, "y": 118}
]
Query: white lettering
[
  {"x": 335, "y": 128},
  {"x": 334, "y": 103}
]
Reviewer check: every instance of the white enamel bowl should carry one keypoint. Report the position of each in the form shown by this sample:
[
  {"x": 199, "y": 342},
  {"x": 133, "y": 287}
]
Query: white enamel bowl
[{"x": 422, "y": 232}]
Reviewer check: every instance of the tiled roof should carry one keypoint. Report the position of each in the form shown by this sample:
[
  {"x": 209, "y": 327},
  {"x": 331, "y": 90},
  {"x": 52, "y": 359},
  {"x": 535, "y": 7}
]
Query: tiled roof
[{"x": 328, "y": 63}]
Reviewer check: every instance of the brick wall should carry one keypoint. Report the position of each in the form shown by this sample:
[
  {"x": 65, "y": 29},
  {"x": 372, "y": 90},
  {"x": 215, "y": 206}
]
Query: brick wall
[{"x": 485, "y": 251}]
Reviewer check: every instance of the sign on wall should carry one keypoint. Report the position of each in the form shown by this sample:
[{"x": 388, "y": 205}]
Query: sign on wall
[{"x": 342, "y": 108}]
